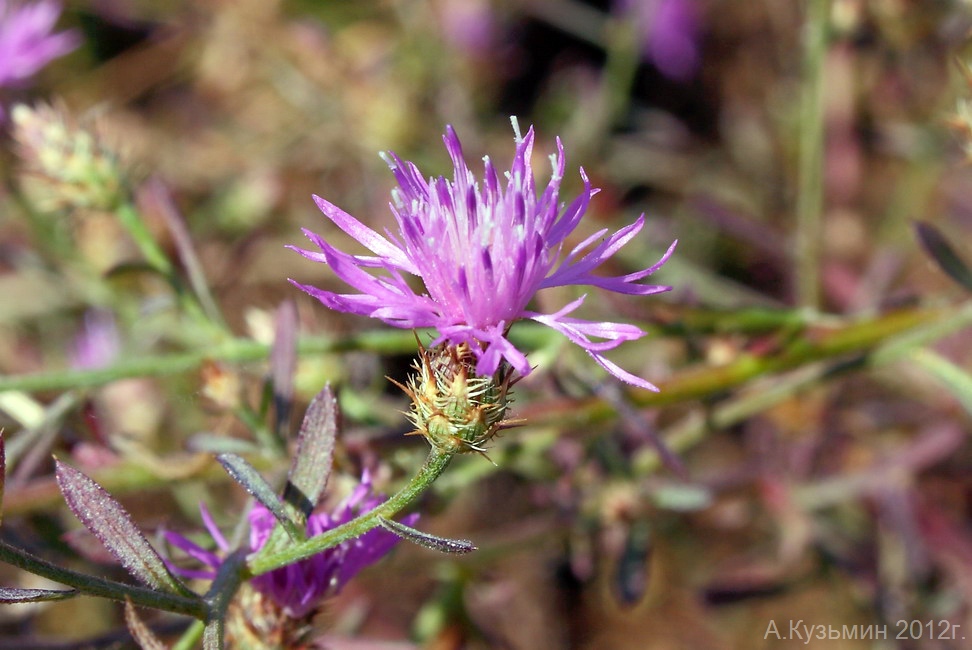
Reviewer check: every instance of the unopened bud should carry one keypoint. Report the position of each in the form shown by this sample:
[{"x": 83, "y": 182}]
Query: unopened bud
[
  {"x": 455, "y": 409},
  {"x": 64, "y": 164}
]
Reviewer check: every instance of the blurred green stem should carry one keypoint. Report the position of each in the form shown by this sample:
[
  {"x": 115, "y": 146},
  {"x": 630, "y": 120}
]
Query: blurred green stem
[
  {"x": 132, "y": 221},
  {"x": 272, "y": 559},
  {"x": 816, "y": 343},
  {"x": 810, "y": 190},
  {"x": 190, "y": 638},
  {"x": 956, "y": 379},
  {"x": 198, "y": 303},
  {"x": 618, "y": 77},
  {"x": 234, "y": 350},
  {"x": 877, "y": 341}
]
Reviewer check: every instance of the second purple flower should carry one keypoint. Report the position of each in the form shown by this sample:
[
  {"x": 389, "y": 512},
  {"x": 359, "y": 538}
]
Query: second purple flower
[{"x": 483, "y": 251}]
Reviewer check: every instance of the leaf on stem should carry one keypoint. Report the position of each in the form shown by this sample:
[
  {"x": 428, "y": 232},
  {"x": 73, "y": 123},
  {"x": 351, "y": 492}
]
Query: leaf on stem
[
  {"x": 10, "y": 595},
  {"x": 940, "y": 250},
  {"x": 143, "y": 636},
  {"x": 311, "y": 466},
  {"x": 441, "y": 544},
  {"x": 113, "y": 526},
  {"x": 251, "y": 480}
]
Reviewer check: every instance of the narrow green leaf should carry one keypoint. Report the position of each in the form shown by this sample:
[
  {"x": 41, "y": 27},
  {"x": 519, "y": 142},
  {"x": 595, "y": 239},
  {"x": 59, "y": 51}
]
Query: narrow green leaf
[
  {"x": 113, "y": 526},
  {"x": 944, "y": 255},
  {"x": 441, "y": 544},
  {"x": 10, "y": 595},
  {"x": 311, "y": 466},
  {"x": 955, "y": 379},
  {"x": 143, "y": 636},
  {"x": 251, "y": 480}
]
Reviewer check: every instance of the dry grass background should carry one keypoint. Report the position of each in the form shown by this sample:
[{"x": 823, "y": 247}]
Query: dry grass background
[{"x": 843, "y": 501}]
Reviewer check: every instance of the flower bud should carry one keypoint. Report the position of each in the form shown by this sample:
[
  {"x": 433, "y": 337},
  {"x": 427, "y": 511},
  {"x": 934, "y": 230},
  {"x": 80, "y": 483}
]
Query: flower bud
[
  {"x": 458, "y": 411},
  {"x": 65, "y": 164}
]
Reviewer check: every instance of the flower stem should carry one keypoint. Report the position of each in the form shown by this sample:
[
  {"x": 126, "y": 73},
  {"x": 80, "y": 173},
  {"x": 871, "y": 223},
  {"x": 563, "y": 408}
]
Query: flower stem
[
  {"x": 94, "y": 586},
  {"x": 232, "y": 350},
  {"x": 434, "y": 465},
  {"x": 190, "y": 638},
  {"x": 154, "y": 255},
  {"x": 810, "y": 190}
]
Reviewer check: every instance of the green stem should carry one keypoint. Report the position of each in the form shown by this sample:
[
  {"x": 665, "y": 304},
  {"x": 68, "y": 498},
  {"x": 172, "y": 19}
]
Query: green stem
[
  {"x": 839, "y": 338},
  {"x": 224, "y": 587},
  {"x": 190, "y": 637},
  {"x": 434, "y": 465},
  {"x": 620, "y": 71},
  {"x": 810, "y": 189},
  {"x": 131, "y": 220},
  {"x": 192, "y": 303},
  {"x": 234, "y": 350},
  {"x": 94, "y": 586},
  {"x": 909, "y": 346}
]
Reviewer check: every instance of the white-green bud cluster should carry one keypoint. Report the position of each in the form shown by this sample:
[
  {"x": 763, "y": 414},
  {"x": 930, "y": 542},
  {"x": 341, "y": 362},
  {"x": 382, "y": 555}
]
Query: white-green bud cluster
[{"x": 64, "y": 164}]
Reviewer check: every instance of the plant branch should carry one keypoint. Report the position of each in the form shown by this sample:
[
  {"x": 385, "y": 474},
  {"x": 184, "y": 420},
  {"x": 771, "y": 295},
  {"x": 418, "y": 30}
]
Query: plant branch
[
  {"x": 434, "y": 465},
  {"x": 94, "y": 586}
]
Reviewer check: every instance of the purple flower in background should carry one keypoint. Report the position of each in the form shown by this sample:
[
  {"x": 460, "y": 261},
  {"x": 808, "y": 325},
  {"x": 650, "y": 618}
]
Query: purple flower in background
[
  {"x": 469, "y": 26},
  {"x": 26, "y": 41},
  {"x": 483, "y": 251},
  {"x": 669, "y": 33},
  {"x": 98, "y": 343},
  {"x": 300, "y": 587}
]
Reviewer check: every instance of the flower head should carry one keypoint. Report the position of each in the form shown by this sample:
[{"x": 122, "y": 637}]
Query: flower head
[
  {"x": 483, "y": 251},
  {"x": 297, "y": 589},
  {"x": 26, "y": 41}
]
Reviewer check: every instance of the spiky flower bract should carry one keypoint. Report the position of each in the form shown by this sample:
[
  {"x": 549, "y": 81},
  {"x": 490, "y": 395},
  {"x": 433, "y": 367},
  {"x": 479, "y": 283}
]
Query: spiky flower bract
[
  {"x": 456, "y": 410},
  {"x": 483, "y": 251}
]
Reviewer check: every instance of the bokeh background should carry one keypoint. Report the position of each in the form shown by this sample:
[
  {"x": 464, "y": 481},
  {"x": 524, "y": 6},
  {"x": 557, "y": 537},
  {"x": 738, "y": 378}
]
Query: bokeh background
[{"x": 805, "y": 459}]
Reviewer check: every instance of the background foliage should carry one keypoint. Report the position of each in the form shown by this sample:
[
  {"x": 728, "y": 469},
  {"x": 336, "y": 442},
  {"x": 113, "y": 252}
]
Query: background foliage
[{"x": 807, "y": 456}]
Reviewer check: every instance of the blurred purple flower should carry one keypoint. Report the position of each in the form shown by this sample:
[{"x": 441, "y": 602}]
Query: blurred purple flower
[
  {"x": 98, "y": 344},
  {"x": 26, "y": 41},
  {"x": 469, "y": 26},
  {"x": 300, "y": 587},
  {"x": 483, "y": 253},
  {"x": 669, "y": 34}
]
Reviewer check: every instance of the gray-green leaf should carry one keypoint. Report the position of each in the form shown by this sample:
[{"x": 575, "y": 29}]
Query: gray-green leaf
[{"x": 113, "y": 526}]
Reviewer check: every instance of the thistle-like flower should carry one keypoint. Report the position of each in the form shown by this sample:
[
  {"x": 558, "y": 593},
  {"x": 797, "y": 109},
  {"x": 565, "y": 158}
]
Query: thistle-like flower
[
  {"x": 483, "y": 252},
  {"x": 26, "y": 41},
  {"x": 279, "y": 604},
  {"x": 454, "y": 409}
]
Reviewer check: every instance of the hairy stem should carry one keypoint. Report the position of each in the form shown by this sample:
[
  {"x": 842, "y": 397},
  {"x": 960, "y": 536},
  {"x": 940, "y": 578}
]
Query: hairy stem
[
  {"x": 434, "y": 465},
  {"x": 94, "y": 586}
]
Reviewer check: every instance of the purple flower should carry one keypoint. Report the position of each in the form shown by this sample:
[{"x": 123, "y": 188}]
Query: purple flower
[
  {"x": 98, "y": 343},
  {"x": 26, "y": 41},
  {"x": 669, "y": 31},
  {"x": 469, "y": 26},
  {"x": 483, "y": 252},
  {"x": 298, "y": 588}
]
